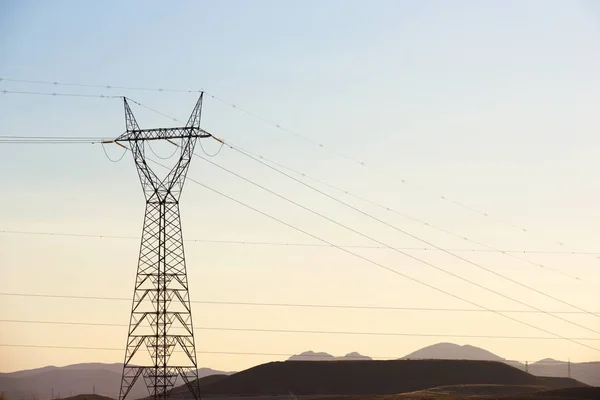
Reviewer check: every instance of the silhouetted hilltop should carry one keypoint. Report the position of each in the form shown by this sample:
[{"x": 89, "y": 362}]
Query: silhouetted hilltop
[
  {"x": 354, "y": 356},
  {"x": 312, "y": 356},
  {"x": 451, "y": 351},
  {"x": 321, "y": 356},
  {"x": 548, "y": 361}
]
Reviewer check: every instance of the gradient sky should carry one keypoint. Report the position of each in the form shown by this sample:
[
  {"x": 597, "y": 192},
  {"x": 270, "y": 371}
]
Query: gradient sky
[{"x": 493, "y": 104}]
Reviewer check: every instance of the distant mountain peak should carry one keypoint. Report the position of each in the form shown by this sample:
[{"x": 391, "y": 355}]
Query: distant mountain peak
[
  {"x": 354, "y": 356},
  {"x": 549, "y": 361},
  {"x": 311, "y": 356},
  {"x": 322, "y": 356},
  {"x": 451, "y": 351}
]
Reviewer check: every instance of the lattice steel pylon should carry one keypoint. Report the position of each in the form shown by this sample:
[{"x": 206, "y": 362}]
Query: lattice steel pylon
[{"x": 161, "y": 314}]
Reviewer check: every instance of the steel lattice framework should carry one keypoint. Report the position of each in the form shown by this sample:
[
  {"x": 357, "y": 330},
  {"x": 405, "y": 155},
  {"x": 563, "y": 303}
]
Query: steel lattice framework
[{"x": 161, "y": 301}]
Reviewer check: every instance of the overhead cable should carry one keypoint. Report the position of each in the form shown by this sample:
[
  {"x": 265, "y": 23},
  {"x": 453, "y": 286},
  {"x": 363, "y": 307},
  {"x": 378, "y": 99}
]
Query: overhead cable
[
  {"x": 319, "y": 332},
  {"x": 295, "y": 244},
  {"x": 405, "y": 232},
  {"x": 292, "y": 305},
  {"x": 411, "y": 218},
  {"x": 303, "y": 137},
  {"x": 375, "y": 263},
  {"x": 238, "y": 353},
  {"x": 455, "y": 275}
]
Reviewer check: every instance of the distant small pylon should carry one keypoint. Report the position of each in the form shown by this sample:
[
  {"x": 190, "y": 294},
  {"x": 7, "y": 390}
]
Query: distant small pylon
[{"x": 527, "y": 366}]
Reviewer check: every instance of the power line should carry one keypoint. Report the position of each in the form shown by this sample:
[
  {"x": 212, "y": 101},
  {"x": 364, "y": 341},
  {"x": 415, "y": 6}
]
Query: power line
[
  {"x": 477, "y": 265},
  {"x": 154, "y": 110},
  {"x": 254, "y": 156},
  {"x": 291, "y": 244},
  {"x": 375, "y": 263},
  {"x": 320, "y": 145},
  {"x": 12, "y": 139},
  {"x": 48, "y": 141},
  {"x": 452, "y": 274},
  {"x": 238, "y": 353},
  {"x": 260, "y": 118},
  {"x": 45, "y": 143},
  {"x": 363, "y": 164},
  {"x": 319, "y": 332},
  {"x": 109, "y": 87},
  {"x": 383, "y": 266},
  {"x": 294, "y": 305},
  {"x": 410, "y": 255},
  {"x": 59, "y": 94},
  {"x": 424, "y": 223},
  {"x": 40, "y": 346},
  {"x": 52, "y": 137}
]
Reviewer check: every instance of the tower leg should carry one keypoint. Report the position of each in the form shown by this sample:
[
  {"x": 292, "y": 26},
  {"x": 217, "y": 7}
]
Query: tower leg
[{"x": 160, "y": 344}]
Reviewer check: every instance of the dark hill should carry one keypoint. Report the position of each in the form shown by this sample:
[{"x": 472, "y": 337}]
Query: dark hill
[
  {"x": 486, "y": 392},
  {"x": 579, "y": 393},
  {"x": 365, "y": 377},
  {"x": 182, "y": 391},
  {"x": 556, "y": 382},
  {"x": 207, "y": 380}
]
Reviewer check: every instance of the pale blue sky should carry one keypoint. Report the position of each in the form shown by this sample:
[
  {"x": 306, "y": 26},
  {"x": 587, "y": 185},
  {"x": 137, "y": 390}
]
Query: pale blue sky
[{"x": 494, "y": 104}]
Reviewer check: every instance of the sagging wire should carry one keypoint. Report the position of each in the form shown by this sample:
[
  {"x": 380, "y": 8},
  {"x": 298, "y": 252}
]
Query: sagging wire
[
  {"x": 217, "y": 152},
  {"x": 106, "y": 153},
  {"x": 162, "y": 158}
]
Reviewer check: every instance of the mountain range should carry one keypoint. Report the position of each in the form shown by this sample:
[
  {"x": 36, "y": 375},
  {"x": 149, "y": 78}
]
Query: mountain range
[
  {"x": 59, "y": 382},
  {"x": 312, "y": 356},
  {"x": 588, "y": 372},
  {"x": 104, "y": 379}
]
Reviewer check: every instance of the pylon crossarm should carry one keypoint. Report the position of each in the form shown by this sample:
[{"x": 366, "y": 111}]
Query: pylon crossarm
[{"x": 140, "y": 135}]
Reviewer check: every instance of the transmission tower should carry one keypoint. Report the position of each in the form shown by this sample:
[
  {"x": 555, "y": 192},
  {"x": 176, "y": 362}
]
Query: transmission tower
[{"x": 161, "y": 301}]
